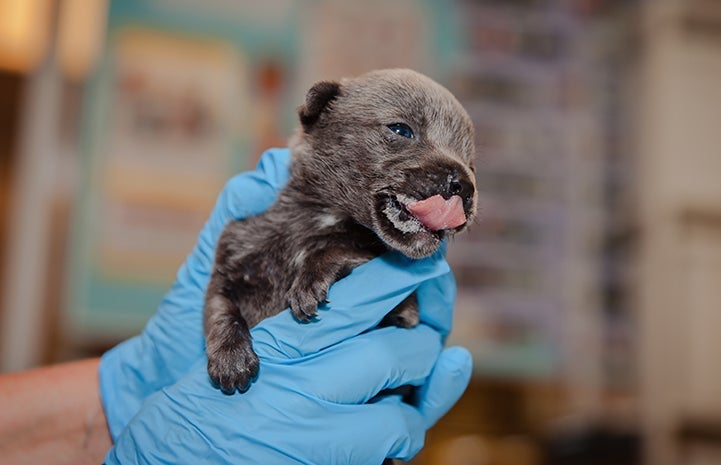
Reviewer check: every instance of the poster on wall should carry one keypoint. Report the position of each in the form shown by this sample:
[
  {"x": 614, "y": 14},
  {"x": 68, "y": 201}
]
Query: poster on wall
[
  {"x": 168, "y": 147},
  {"x": 166, "y": 153}
]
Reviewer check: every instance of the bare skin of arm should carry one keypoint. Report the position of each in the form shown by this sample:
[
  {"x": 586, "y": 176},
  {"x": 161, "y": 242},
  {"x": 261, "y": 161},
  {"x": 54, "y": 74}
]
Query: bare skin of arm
[{"x": 53, "y": 415}]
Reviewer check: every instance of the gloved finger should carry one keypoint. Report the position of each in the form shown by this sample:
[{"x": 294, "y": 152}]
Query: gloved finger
[
  {"x": 357, "y": 303},
  {"x": 363, "y": 366},
  {"x": 398, "y": 427},
  {"x": 446, "y": 384},
  {"x": 405, "y": 426}
]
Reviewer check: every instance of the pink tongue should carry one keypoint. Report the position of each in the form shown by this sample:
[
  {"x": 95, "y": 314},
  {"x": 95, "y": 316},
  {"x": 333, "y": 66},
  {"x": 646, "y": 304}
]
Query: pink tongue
[{"x": 436, "y": 213}]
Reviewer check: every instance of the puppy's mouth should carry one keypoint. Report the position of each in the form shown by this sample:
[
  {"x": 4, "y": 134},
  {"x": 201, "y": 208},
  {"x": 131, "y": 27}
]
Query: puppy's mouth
[
  {"x": 433, "y": 214},
  {"x": 417, "y": 227}
]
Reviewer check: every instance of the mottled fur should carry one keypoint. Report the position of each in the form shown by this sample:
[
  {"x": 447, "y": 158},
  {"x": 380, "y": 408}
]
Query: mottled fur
[{"x": 343, "y": 205}]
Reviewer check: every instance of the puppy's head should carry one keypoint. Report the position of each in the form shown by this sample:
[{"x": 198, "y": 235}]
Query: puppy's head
[{"x": 393, "y": 150}]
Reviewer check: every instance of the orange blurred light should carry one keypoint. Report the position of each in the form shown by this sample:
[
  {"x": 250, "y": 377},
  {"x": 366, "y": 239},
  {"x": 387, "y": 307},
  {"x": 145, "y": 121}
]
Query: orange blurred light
[{"x": 24, "y": 31}]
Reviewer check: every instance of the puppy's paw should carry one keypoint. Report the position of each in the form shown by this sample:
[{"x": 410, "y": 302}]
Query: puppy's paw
[
  {"x": 303, "y": 299},
  {"x": 304, "y": 305},
  {"x": 232, "y": 367}
]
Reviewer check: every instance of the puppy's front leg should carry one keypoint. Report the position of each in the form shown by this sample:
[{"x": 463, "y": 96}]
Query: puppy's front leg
[
  {"x": 232, "y": 363},
  {"x": 315, "y": 276}
]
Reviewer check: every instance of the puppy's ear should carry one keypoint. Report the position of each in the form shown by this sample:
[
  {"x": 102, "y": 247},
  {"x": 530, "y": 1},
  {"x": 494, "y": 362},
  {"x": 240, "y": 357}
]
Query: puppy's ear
[{"x": 316, "y": 101}]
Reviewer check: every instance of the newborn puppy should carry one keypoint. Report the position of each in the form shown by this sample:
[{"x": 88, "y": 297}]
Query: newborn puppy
[{"x": 383, "y": 161}]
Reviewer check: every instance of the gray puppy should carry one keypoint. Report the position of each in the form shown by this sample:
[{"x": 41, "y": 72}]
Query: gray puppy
[{"x": 383, "y": 161}]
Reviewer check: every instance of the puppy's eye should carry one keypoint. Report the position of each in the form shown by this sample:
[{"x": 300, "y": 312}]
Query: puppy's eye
[{"x": 402, "y": 130}]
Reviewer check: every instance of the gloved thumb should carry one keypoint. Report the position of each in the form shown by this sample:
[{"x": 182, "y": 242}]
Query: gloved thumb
[{"x": 446, "y": 384}]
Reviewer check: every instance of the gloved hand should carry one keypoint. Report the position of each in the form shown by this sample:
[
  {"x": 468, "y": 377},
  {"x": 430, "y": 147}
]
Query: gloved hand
[
  {"x": 172, "y": 341},
  {"x": 310, "y": 401}
]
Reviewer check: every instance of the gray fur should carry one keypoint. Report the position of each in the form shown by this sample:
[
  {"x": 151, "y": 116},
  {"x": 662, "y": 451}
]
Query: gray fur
[{"x": 343, "y": 205}]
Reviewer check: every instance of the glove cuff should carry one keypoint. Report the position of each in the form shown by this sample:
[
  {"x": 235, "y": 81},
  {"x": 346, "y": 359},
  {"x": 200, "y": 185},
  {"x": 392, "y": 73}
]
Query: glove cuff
[{"x": 115, "y": 378}]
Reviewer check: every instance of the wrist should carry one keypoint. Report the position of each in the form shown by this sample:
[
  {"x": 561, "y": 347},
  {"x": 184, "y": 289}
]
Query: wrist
[{"x": 55, "y": 415}]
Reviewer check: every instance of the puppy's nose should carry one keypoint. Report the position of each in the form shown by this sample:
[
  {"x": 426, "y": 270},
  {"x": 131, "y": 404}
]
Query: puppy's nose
[{"x": 462, "y": 188}]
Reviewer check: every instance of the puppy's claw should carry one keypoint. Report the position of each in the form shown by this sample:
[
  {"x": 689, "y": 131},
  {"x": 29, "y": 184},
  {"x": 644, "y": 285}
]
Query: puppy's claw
[
  {"x": 304, "y": 316},
  {"x": 225, "y": 390}
]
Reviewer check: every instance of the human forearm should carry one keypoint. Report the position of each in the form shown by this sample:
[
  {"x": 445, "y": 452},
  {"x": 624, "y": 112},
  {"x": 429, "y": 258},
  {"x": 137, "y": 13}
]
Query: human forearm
[{"x": 53, "y": 415}]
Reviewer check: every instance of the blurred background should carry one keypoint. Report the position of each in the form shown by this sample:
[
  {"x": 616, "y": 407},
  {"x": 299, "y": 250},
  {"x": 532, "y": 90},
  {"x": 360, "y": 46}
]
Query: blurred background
[{"x": 590, "y": 287}]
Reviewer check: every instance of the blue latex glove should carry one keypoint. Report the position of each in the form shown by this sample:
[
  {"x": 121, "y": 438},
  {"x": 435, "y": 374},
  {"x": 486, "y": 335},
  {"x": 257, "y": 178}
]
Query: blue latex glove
[
  {"x": 172, "y": 341},
  {"x": 310, "y": 402}
]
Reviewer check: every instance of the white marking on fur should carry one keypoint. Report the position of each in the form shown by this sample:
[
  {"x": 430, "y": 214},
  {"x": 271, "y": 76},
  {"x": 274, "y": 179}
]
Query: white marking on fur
[
  {"x": 328, "y": 220},
  {"x": 405, "y": 200},
  {"x": 299, "y": 258}
]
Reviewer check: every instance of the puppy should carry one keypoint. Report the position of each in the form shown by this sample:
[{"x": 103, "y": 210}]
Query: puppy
[{"x": 379, "y": 162}]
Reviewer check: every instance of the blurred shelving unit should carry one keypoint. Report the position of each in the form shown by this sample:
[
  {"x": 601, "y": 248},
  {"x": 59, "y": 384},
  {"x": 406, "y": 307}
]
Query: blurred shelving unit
[
  {"x": 544, "y": 86},
  {"x": 544, "y": 303}
]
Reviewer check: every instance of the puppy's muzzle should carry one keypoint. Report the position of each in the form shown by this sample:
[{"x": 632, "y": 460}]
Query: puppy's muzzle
[
  {"x": 446, "y": 180},
  {"x": 427, "y": 204}
]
